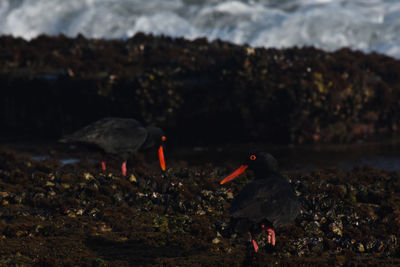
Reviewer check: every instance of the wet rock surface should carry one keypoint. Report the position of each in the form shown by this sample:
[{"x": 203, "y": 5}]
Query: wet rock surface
[
  {"x": 199, "y": 92},
  {"x": 75, "y": 214}
]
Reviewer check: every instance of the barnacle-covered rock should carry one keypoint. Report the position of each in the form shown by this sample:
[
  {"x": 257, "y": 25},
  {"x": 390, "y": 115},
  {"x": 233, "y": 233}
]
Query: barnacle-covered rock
[
  {"x": 359, "y": 247},
  {"x": 132, "y": 219}
]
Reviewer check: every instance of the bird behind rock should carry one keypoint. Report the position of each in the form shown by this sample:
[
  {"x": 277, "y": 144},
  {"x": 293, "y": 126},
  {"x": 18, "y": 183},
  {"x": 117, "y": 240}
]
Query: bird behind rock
[{"x": 268, "y": 201}]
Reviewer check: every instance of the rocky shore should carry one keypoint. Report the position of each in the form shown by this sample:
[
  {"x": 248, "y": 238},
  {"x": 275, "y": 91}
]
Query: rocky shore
[
  {"x": 74, "y": 214},
  {"x": 198, "y": 91},
  {"x": 69, "y": 213}
]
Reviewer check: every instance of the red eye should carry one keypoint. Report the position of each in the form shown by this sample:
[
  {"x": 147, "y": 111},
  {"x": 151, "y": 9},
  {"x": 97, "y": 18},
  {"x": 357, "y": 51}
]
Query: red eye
[
  {"x": 252, "y": 157},
  {"x": 163, "y": 138}
]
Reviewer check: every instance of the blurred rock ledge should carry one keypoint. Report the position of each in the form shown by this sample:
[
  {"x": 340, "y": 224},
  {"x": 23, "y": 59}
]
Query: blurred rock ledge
[{"x": 200, "y": 92}]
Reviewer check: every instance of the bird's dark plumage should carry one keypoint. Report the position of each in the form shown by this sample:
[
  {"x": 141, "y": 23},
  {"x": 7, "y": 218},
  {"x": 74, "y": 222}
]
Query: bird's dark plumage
[
  {"x": 119, "y": 136},
  {"x": 268, "y": 200},
  {"x": 268, "y": 197}
]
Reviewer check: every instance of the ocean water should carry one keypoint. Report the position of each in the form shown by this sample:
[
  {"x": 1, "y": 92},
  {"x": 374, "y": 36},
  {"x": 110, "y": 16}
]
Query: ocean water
[{"x": 367, "y": 25}]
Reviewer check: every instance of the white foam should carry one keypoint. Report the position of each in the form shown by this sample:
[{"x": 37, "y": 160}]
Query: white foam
[
  {"x": 172, "y": 25},
  {"x": 368, "y": 25}
]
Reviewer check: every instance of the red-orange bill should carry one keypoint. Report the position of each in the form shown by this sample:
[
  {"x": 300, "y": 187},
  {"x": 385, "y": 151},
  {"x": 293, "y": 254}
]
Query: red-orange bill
[
  {"x": 161, "y": 157},
  {"x": 235, "y": 174}
]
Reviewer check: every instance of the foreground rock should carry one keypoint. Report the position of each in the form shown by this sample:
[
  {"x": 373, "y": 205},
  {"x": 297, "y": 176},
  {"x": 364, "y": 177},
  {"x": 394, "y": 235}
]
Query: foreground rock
[
  {"x": 76, "y": 215},
  {"x": 190, "y": 87}
]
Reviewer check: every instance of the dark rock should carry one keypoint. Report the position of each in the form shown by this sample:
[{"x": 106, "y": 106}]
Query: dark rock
[{"x": 186, "y": 87}]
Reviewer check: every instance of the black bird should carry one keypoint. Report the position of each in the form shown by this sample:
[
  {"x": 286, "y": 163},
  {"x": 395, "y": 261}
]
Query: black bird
[
  {"x": 268, "y": 201},
  {"x": 119, "y": 136}
]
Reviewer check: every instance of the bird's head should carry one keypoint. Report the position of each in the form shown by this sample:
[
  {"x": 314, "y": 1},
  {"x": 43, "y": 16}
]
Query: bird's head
[{"x": 258, "y": 161}]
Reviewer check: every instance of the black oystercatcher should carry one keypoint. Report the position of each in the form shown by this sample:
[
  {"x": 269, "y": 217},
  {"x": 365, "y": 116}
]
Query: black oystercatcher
[
  {"x": 268, "y": 201},
  {"x": 119, "y": 136}
]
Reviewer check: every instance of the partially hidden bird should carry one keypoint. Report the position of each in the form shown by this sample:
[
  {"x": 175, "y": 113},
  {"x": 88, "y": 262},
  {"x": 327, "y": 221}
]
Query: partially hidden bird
[{"x": 269, "y": 201}]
